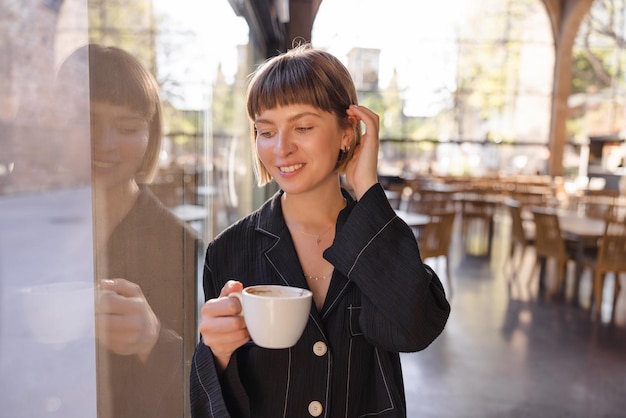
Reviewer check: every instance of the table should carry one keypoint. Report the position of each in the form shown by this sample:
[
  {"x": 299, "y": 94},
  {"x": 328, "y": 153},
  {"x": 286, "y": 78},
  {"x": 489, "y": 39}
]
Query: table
[
  {"x": 583, "y": 231},
  {"x": 190, "y": 213},
  {"x": 413, "y": 219},
  {"x": 579, "y": 227},
  {"x": 194, "y": 215}
]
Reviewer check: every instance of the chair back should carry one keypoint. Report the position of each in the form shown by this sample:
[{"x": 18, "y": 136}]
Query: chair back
[
  {"x": 601, "y": 206},
  {"x": 428, "y": 201},
  {"x": 518, "y": 233},
  {"x": 475, "y": 208},
  {"x": 612, "y": 251},
  {"x": 548, "y": 239},
  {"x": 437, "y": 236}
]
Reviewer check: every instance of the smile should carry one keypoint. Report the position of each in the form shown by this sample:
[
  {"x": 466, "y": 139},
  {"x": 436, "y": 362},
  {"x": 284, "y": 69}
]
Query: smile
[
  {"x": 102, "y": 164},
  {"x": 290, "y": 168}
]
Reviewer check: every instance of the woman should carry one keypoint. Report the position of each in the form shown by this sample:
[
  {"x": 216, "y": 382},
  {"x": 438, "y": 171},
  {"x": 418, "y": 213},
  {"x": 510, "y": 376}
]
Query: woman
[
  {"x": 373, "y": 297},
  {"x": 145, "y": 258}
]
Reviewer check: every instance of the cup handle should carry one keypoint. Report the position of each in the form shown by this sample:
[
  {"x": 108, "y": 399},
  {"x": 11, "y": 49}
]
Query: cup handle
[{"x": 237, "y": 295}]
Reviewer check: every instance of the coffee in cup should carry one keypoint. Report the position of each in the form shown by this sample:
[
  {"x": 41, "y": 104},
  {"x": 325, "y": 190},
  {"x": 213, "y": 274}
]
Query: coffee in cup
[{"x": 275, "y": 315}]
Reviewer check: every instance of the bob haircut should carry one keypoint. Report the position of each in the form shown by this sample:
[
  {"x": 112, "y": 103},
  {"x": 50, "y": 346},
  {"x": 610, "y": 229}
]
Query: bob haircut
[
  {"x": 302, "y": 75},
  {"x": 118, "y": 78}
]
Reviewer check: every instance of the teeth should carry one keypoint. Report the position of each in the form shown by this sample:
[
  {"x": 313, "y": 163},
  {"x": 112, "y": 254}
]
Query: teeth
[
  {"x": 291, "y": 168},
  {"x": 103, "y": 164}
]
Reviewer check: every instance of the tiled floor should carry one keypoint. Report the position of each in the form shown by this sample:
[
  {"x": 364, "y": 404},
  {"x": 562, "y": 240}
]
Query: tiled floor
[{"x": 506, "y": 352}]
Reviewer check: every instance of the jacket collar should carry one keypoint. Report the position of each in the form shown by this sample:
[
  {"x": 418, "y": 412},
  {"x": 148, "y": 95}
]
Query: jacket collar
[{"x": 279, "y": 249}]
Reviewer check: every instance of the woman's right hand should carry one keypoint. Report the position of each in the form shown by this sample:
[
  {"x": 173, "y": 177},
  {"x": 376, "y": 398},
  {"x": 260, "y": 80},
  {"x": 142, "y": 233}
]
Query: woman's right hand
[{"x": 222, "y": 327}]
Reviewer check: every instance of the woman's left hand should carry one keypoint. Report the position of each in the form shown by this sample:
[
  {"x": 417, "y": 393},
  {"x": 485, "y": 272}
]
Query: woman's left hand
[{"x": 362, "y": 169}]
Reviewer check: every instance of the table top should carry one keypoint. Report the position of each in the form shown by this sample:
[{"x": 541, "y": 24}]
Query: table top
[
  {"x": 413, "y": 218},
  {"x": 577, "y": 224},
  {"x": 190, "y": 213},
  {"x": 574, "y": 224}
]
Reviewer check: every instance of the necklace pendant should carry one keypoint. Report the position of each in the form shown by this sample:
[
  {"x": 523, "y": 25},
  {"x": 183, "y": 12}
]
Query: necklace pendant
[{"x": 318, "y": 240}]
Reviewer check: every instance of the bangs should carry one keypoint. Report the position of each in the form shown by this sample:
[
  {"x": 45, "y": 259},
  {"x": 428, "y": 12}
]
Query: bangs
[
  {"x": 119, "y": 81},
  {"x": 293, "y": 80}
]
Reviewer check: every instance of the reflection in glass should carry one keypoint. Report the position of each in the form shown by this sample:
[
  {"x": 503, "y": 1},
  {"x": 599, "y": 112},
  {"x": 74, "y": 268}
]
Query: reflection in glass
[{"x": 145, "y": 257}]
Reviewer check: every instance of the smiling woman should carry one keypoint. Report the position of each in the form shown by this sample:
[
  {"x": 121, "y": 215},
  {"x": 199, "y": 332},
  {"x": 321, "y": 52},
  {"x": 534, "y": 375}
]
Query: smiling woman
[{"x": 373, "y": 297}]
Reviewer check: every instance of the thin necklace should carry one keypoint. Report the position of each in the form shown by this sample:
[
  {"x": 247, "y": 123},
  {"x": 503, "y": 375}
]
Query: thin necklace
[
  {"x": 318, "y": 237},
  {"x": 324, "y": 277}
]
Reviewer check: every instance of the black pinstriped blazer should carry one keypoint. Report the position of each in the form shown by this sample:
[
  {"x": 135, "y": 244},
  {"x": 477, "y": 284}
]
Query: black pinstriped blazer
[{"x": 382, "y": 300}]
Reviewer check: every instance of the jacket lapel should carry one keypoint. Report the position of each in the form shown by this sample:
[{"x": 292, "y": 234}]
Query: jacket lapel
[{"x": 280, "y": 252}]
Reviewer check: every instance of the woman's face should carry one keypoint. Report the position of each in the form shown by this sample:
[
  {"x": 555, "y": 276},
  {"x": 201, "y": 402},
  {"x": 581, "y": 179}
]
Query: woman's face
[
  {"x": 299, "y": 146},
  {"x": 120, "y": 139}
]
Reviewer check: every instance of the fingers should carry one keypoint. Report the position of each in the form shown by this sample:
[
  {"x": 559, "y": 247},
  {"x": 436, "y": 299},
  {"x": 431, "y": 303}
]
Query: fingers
[
  {"x": 221, "y": 326},
  {"x": 371, "y": 119},
  {"x": 120, "y": 286},
  {"x": 125, "y": 322},
  {"x": 362, "y": 169},
  {"x": 127, "y": 335},
  {"x": 119, "y": 297},
  {"x": 222, "y": 306},
  {"x": 231, "y": 286}
]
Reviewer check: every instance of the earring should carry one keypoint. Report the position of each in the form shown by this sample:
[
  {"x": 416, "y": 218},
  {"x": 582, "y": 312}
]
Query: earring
[{"x": 342, "y": 154}]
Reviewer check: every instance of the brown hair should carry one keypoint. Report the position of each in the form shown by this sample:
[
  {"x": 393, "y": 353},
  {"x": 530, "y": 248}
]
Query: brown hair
[
  {"x": 302, "y": 75},
  {"x": 118, "y": 78}
]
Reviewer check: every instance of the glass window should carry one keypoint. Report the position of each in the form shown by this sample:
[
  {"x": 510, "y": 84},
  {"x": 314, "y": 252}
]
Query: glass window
[
  {"x": 119, "y": 161},
  {"x": 596, "y": 126},
  {"x": 453, "y": 72}
]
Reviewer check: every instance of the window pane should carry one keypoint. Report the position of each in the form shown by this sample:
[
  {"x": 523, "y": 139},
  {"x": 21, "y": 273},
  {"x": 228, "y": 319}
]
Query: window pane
[
  {"x": 104, "y": 211},
  {"x": 452, "y": 71}
]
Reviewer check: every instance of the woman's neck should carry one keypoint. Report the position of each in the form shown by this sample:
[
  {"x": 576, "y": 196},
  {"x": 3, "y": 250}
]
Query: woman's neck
[
  {"x": 312, "y": 211},
  {"x": 111, "y": 205}
]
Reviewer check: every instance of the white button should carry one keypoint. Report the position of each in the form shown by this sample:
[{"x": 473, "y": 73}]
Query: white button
[
  {"x": 320, "y": 348},
  {"x": 315, "y": 408}
]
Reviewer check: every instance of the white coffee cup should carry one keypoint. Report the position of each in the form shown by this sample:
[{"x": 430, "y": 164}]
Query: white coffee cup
[
  {"x": 58, "y": 313},
  {"x": 275, "y": 315}
]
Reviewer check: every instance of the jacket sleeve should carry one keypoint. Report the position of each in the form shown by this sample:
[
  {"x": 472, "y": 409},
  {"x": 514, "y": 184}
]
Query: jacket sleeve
[
  {"x": 206, "y": 400},
  {"x": 404, "y": 307},
  {"x": 210, "y": 391}
]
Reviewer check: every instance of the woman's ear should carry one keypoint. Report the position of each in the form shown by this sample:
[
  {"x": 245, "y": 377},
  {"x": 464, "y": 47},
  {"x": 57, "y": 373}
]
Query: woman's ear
[
  {"x": 353, "y": 121},
  {"x": 347, "y": 141},
  {"x": 349, "y": 133}
]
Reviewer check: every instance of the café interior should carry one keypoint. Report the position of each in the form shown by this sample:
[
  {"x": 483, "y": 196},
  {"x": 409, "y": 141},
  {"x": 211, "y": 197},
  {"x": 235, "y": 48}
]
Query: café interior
[{"x": 511, "y": 172}]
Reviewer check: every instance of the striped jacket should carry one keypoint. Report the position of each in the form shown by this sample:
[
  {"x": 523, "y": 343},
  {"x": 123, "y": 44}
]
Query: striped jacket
[{"x": 382, "y": 300}]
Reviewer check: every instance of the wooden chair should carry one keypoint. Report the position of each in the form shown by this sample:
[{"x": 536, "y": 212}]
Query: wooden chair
[
  {"x": 599, "y": 206},
  {"x": 522, "y": 236},
  {"x": 428, "y": 201},
  {"x": 436, "y": 238},
  {"x": 549, "y": 244},
  {"x": 396, "y": 194},
  {"x": 477, "y": 223},
  {"x": 611, "y": 258}
]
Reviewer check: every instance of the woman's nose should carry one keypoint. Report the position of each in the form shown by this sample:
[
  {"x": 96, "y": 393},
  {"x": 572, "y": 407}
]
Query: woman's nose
[
  {"x": 103, "y": 135},
  {"x": 284, "y": 145}
]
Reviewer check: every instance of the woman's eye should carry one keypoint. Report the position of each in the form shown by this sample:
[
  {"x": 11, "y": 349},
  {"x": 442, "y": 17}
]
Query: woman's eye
[
  {"x": 304, "y": 128},
  {"x": 131, "y": 126},
  {"x": 128, "y": 129},
  {"x": 265, "y": 134}
]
